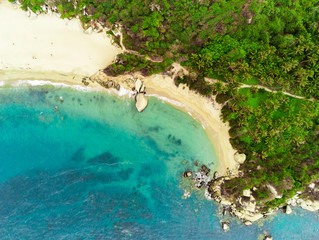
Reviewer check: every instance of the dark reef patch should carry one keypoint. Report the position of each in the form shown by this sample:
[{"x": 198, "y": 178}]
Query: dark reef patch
[
  {"x": 124, "y": 174},
  {"x": 37, "y": 94},
  {"x": 104, "y": 158},
  {"x": 78, "y": 156},
  {"x": 174, "y": 140},
  {"x": 155, "y": 129}
]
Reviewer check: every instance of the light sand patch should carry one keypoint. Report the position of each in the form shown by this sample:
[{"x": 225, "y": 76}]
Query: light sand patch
[{"x": 48, "y": 43}]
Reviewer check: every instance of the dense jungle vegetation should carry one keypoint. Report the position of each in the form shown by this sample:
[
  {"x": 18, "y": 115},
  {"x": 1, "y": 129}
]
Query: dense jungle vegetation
[{"x": 273, "y": 43}]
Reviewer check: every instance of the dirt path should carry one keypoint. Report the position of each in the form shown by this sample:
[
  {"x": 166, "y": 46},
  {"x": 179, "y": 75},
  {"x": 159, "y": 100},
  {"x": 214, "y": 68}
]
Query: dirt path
[
  {"x": 274, "y": 91},
  {"x": 211, "y": 80},
  {"x": 132, "y": 51}
]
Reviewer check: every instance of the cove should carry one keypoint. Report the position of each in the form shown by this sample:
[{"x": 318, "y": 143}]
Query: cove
[{"x": 92, "y": 167}]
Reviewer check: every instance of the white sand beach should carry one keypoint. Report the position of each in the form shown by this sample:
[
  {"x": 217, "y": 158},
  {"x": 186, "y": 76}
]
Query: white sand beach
[
  {"x": 48, "y": 43},
  {"x": 49, "y": 48}
]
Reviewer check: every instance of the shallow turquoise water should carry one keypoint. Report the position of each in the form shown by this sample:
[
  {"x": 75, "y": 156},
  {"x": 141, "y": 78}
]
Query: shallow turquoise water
[{"x": 95, "y": 168}]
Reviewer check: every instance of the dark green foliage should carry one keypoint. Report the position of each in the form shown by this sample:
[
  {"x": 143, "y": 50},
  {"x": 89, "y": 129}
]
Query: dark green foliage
[
  {"x": 280, "y": 48},
  {"x": 279, "y": 136},
  {"x": 196, "y": 83},
  {"x": 127, "y": 63}
]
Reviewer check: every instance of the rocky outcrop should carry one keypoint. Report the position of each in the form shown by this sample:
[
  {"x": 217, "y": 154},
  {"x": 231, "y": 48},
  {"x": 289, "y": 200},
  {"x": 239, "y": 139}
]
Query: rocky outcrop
[
  {"x": 141, "y": 102},
  {"x": 244, "y": 205},
  {"x": 248, "y": 223},
  {"x": 240, "y": 158},
  {"x": 106, "y": 84},
  {"x": 274, "y": 191},
  {"x": 267, "y": 237},
  {"x": 138, "y": 85},
  {"x": 187, "y": 174},
  {"x": 308, "y": 205},
  {"x": 247, "y": 193},
  {"x": 288, "y": 210}
]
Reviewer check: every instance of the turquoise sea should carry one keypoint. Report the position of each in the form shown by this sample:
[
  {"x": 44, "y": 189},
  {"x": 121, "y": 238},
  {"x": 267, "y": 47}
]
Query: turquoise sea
[{"x": 92, "y": 167}]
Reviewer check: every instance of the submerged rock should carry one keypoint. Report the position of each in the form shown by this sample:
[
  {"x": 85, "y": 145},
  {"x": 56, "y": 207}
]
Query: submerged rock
[
  {"x": 186, "y": 194},
  {"x": 141, "y": 102}
]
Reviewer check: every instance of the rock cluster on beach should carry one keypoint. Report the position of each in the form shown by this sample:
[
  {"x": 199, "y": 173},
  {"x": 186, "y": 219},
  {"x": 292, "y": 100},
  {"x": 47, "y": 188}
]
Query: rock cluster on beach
[{"x": 110, "y": 84}]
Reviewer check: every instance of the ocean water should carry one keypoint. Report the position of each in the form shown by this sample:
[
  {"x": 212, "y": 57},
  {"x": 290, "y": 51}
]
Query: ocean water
[{"x": 92, "y": 167}]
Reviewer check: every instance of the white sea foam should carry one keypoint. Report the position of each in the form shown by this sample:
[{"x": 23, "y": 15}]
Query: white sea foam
[
  {"x": 124, "y": 92},
  {"x": 2, "y": 83},
  {"x": 45, "y": 83}
]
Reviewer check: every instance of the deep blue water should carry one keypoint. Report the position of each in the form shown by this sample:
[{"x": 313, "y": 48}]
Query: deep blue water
[{"x": 95, "y": 168}]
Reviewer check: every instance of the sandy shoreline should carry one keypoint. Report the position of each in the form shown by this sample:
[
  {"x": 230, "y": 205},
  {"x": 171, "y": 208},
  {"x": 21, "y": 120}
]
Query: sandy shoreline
[
  {"x": 34, "y": 58},
  {"x": 49, "y": 43}
]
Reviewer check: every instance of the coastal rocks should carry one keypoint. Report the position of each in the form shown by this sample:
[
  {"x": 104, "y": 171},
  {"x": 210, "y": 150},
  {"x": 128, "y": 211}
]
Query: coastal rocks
[
  {"x": 267, "y": 237},
  {"x": 186, "y": 194},
  {"x": 141, "y": 102},
  {"x": 312, "y": 185},
  {"x": 117, "y": 86},
  {"x": 85, "y": 82},
  {"x": 247, "y": 193},
  {"x": 293, "y": 201},
  {"x": 308, "y": 205},
  {"x": 216, "y": 175},
  {"x": 138, "y": 85},
  {"x": 187, "y": 174},
  {"x": 205, "y": 169},
  {"x": 247, "y": 215},
  {"x": 201, "y": 178},
  {"x": 110, "y": 84},
  {"x": 240, "y": 158},
  {"x": 225, "y": 202},
  {"x": 31, "y": 14},
  {"x": 225, "y": 226},
  {"x": 107, "y": 84},
  {"x": 274, "y": 191},
  {"x": 288, "y": 210},
  {"x": 248, "y": 223}
]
